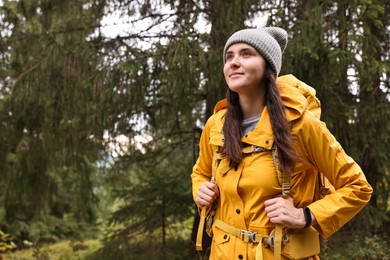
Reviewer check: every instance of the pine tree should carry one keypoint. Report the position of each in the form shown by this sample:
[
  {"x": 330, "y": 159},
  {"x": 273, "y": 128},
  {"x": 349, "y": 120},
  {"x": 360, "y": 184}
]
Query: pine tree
[{"x": 50, "y": 112}]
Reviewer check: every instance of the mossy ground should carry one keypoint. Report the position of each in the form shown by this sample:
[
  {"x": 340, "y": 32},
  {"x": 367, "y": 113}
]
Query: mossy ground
[{"x": 62, "y": 250}]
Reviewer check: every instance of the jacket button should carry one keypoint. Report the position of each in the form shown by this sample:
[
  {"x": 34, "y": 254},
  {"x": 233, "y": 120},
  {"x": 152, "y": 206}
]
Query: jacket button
[
  {"x": 267, "y": 142},
  {"x": 240, "y": 256},
  {"x": 238, "y": 211},
  {"x": 225, "y": 236}
]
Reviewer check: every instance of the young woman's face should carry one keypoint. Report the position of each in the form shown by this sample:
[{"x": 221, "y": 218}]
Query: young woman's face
[{"x": 244, "y": 69}]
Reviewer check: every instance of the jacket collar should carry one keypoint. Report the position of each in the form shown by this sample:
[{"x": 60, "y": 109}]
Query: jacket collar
[{"x": 294, "y": 102}]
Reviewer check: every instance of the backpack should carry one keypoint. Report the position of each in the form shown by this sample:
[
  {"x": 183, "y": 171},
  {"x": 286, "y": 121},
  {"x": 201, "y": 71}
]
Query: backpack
[{"x": 323, "y": 186}]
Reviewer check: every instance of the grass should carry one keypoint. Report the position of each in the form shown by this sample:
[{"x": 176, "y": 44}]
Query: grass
[
  {"x": 63, "y": 250},
  {"x": 341, "y": 246}
]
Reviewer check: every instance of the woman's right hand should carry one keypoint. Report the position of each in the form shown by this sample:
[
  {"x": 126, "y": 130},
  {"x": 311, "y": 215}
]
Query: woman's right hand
[{"x": 207, "y": 193}]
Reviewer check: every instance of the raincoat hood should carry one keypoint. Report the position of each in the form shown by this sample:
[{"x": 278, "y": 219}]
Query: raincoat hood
[
  {"x": 297, "y": 98},
  {"x": 295, "y": 94}
]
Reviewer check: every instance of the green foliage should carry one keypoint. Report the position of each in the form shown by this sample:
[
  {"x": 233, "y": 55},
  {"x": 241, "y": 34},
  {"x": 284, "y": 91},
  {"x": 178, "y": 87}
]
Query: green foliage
[
  {"x": 63, "y": 250},
  {"x": 358, "y": 247},
  {"x": 49, "y": 230},
  {"x": 6, "y": 243},
  {"x": 176, "y": 249},
  {"x": 49, "y": 100},
  {"x": 154, "y": 203},
  {"x": 373, "y": 109}
]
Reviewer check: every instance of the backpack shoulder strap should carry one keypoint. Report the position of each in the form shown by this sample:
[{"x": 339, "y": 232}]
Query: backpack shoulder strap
[{"x": 285, "y": 177}]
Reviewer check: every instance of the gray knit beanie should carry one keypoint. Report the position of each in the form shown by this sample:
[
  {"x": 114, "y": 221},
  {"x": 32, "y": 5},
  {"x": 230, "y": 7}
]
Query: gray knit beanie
[{"x": 270, "y": 42}]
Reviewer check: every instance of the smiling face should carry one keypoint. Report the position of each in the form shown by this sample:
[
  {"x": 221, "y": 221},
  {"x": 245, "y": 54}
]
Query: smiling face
[{"x": 244, "y": 69}]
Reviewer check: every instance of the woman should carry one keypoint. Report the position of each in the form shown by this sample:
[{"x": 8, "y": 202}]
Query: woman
[{"x": 264, "y": 130}]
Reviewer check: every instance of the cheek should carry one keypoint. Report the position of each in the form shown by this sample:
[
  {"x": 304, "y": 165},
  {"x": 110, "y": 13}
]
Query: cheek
[
  {"x": 260, "y": 75},
  {"x": 226, "y": 71},
  {"x": 259, "y": 70}
]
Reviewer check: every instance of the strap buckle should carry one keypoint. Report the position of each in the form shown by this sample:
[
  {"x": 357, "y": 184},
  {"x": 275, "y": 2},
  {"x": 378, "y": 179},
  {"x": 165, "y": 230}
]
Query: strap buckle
[
  {"x": 271, "y": 242},
  {"x": 258, "y": 149},
  {"x": 248, "y": 236}
]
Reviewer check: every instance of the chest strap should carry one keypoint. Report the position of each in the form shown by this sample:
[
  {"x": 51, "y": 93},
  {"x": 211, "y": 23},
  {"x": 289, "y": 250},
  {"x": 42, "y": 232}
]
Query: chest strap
[{"x": 246, "y": 236}]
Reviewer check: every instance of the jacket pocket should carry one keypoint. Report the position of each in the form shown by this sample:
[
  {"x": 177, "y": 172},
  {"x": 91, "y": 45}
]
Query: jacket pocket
[
  {"x": 302, "y": 243},
  {"x": 220, "y": 246}
]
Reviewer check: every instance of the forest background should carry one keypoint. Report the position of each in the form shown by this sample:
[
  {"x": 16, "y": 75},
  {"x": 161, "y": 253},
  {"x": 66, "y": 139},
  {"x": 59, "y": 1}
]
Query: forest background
[{"x": 99, "y": 130}]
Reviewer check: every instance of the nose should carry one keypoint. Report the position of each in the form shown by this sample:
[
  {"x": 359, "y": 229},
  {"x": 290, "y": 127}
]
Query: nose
[{"x": 234, "y": 62}]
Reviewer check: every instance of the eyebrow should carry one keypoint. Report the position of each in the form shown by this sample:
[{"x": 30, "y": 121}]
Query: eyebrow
[{"x": 241, "y": 50}]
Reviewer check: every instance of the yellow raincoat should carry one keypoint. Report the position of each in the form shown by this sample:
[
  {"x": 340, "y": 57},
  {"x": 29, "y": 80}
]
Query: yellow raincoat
[{"x": 244, "y": 190}]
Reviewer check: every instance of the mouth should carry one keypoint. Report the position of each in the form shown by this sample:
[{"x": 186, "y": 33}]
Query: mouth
[{"x": 235, "y": 74}]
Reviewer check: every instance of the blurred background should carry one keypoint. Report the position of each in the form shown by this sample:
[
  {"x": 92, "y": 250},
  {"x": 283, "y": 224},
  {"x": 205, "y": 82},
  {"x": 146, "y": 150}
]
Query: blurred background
[{"x": 102, "y": 103}]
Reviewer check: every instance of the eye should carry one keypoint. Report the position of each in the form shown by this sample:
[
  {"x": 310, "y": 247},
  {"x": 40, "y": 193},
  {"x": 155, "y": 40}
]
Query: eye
[
  {"x": 228, "y": 57},
  {"x": 246, "y": 54}
]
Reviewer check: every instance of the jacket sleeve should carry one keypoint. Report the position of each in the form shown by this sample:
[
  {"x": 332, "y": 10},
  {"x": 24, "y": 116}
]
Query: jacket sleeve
[
  {"x": 321, "y": 150},
  {"x": 202, "y": 170}
]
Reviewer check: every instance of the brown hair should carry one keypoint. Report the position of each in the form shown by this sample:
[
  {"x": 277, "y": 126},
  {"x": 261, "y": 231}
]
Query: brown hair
[{"x": 281, "y": 129}]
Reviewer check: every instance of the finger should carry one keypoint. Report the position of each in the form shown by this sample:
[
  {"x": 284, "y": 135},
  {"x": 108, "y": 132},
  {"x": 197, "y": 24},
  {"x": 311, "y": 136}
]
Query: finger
[
  {"x": 213, "y": 187},
  {"x": 207, "y": 197},
  {"x": 271, "y": 208},
  {"x": 202, "y": 201},
  {"x": 216, "y": 190},
  {"x": 206, "y": 192},
  {"x": 280, "y": 201},
  {"x": 279, "y": 217},
  {"x": 277, "y": 220},
  {"x": 272, "y": 201},
  {"x": 277, "y": 212}
]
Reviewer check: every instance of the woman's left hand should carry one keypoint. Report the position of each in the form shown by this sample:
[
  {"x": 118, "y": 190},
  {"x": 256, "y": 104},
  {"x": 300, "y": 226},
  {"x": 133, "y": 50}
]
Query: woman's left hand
[{"x": 282, "y": 211}]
